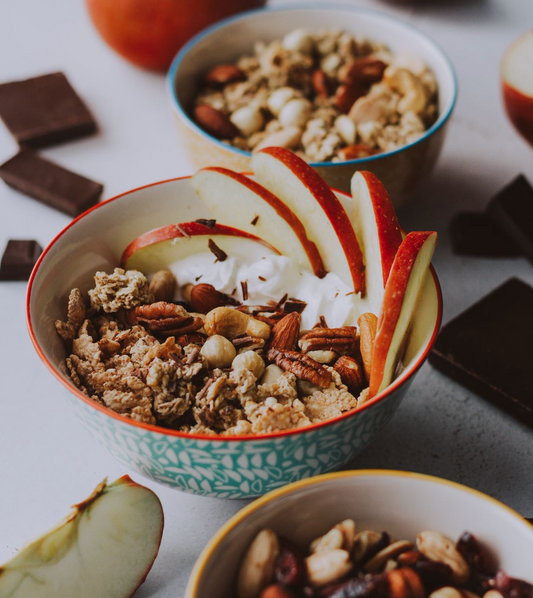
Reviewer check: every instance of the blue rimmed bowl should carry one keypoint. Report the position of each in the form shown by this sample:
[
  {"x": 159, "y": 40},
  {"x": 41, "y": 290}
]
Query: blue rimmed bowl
[
  {"x": 401, "y": 170},
  {"x": 225, "y": 467}
]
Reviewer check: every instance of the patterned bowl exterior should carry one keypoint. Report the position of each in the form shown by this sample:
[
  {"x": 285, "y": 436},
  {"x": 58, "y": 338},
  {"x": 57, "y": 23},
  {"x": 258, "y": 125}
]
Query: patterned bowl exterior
[{"x": 237, "y": 469}]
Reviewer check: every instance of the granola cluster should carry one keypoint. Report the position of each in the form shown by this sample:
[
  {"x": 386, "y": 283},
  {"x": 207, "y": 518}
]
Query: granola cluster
[
  {"x": 207, "y": 364},
  {"x": 328, "y": 96},
  {"x": 347, "y": 563}
]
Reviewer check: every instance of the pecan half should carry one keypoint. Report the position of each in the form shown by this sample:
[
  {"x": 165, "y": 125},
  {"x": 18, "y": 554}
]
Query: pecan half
[
  {"x": 343, "y": 340},
  {"x": 286, "y": 331},
  {"x": 164, "y": 318},
  {"x": 302, "y": 366}
]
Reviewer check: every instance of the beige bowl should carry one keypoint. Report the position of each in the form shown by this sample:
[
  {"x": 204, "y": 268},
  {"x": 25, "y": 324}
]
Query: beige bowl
[{"x": 401, "y": 170}]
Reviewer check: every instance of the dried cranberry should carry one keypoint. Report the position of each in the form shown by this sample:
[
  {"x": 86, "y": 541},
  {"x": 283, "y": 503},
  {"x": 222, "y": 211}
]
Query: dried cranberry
[
  {"x": 289, "y": 569},
  {"x": 475, "y": 554},
  {"x": 433, "y": 575},
  {"x": 510, "y": 587}
]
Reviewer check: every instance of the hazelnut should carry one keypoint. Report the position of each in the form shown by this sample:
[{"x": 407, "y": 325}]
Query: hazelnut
[
  {"x": 295, "y": 112},
  {"x": 278, "y": 98},
  {"x": 250, "y": 360},
  {"x": 298, "y": 40},
  {"x": 248, "y": 119},
  {"x": 218, "y": 351}
]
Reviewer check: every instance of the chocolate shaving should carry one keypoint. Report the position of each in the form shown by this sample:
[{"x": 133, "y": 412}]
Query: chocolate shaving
[
  {"x": 198, "y": 278},
  {"x": 207, "y": 222},
  {"x": 293, "y": 304},
  {"x": 262, "y": 278},
  {"x": 244, "y": 289},
  {"x": 348, "y": 294},
  {"x": 254, "y": 221},
  {"x": 183, "y": 232},
  {"x": 220, "y": 254},
  {"x": 321, "y": 323},
  {"x": 280, "y": 303}
]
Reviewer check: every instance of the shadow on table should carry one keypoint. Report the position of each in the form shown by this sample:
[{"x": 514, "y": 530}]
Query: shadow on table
[{"x": 451, "y": 10}]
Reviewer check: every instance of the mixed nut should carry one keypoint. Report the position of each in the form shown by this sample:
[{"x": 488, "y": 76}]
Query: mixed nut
[
  {"x": 208, "y": 363},
  {"x": 328, "y": 96},
  {"x": 344, "y": 563}
]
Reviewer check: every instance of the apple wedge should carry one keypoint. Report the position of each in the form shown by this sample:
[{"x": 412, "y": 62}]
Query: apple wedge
[
  {"x": 402, "y": 290},
  {"x": 322, "y": 214},
  {"x": 103, "y": 549},
  {"x": 256, "y": 210},
  {"x": 379, "y": 234},
  {"x": 160, "y": 247}
]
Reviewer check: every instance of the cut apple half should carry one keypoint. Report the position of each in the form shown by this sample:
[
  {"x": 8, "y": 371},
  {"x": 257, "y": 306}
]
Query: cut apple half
[
  {"x": 104, "y": 548},
  {"x": 158, "y": 248},
  {"x": 378, "y": 232},
  {"x": 326, "y": 223},
  {"x": 256, "y": 210},
  {"x": 405, "y": 281},
  {"x": 517, "y": 84}
]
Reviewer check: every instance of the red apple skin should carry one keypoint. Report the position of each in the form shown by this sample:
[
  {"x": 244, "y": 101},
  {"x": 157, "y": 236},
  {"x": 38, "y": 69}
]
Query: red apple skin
[
  {"x": 149, "y": 33},
  {"x": 284, "y": 212},
  {"x": 184, "y": 229},
  {"x": 520, "y": 110},
  {"x": 392, "y": 303},
  {"x": 332, "y": 208},
  {"x": 389, "y": 231}
]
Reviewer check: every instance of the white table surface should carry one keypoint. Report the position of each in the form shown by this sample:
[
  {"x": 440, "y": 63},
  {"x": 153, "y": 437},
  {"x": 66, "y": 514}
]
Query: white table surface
[{"x": 48, "y": 461}]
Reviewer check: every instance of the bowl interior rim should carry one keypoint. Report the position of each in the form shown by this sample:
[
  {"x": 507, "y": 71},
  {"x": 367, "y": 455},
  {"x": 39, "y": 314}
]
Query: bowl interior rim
[
  {"x": 206, "y": 554},
  {"x": 180, "y": 56},
  {"x": 402, "y": 379}
]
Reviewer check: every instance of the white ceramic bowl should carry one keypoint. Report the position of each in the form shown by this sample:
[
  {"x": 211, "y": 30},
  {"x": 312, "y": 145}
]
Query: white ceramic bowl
[
  {"x": 398, "y": 502},
  {"x": 401, "y": 170},
  {"x": 226, "y": 467}
]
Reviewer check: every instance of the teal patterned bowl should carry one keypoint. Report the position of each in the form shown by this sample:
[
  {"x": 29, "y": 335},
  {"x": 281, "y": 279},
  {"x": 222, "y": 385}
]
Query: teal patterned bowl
[{"x": 237, "y": 467}]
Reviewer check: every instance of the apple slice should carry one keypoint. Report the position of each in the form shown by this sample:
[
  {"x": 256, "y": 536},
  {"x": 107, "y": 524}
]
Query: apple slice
[
  {"x": 160, "y": 247},
  {"x": 105, "y": 547},
  {"x": 256, "y": 210},
  {"x": 405, "y": 281},
  {"x": 309, "y": 197},
  {"x": 517, "y": 84},
  {"x": 377, "y": 229}
]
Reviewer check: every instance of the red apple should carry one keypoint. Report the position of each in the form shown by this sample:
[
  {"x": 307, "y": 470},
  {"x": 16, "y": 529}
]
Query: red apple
[
  {"x": 254, "y": 209},
  {"x": 158, "y": 248},
  {"x": 314, "y": 203},
  {"x": 517, "y": 84},
  {"x": 105, "y": 547},
  {"x": 150, "y": 32},
  {"x": 402, "y": 290},
  {"x": 378, "y": 232}
]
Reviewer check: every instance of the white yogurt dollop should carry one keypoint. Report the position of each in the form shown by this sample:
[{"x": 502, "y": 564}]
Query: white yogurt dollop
[{"x": 269, "y": 278}]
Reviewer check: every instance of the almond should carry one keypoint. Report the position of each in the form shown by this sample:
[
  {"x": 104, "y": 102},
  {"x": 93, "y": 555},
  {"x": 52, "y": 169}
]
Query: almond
[
  {"x": 347, "y": 94},
  {"x": 368, "y": 324},
  {"x": 351, "y": 373},
  {"x": 364, "y": 71},
  {"x": 356, "y": 151},
  {"x": 215, "y": 122},
  {"x": 322, "y": 84},
  {"x": 163, "y": 285},
  {"x": 204, "y": 298},
  {"x": 224, "y": 73},
  {"x": 286, "y": 332},
  {"x": 276, "y": 591}
]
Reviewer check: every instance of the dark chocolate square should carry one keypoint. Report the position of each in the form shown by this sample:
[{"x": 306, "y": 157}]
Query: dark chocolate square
[
  {"x": 474, "y": 233},
  {"x": 19, "y": 258},
  {"x": 44, "y": 110},
  {"x": 487, "y": 348},
  {"x": 50, "y": 183},
  {"x": 512, "y": 211}
]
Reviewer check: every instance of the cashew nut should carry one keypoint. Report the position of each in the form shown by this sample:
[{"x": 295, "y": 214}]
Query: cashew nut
[
  {"x": 230, "y": 323},
  {"x": 437, "y": 547},
  {"x": 327, "y": 567},
  {"x": 409, "y": 86}
]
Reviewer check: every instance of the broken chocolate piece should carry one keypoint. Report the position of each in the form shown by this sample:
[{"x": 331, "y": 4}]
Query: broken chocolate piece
[
  {"x": 209, "y": 222},
  {"x": 512, "y": 211},
  {"x": 220, "y": 254},
  {"x": 44, "y": 110},
  {"x": 474, "y": 233},
  {"x": 19, "y": 259},
  {"x": 50, "y": 183},
  {"x": 487, "y": 348}
]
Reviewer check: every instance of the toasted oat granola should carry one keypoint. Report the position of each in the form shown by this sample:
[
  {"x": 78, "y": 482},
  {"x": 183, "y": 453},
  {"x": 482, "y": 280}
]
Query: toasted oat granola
[
  {"x": 151, "y": 372},
  {"x": 328, "y": 96}
]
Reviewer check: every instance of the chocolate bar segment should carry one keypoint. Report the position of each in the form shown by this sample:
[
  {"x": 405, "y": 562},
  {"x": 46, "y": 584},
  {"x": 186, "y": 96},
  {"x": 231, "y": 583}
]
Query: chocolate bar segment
[
  {"x": 19, "y": 258},
  {"x": 49, "y": 183},
  {"x": 474, "y": 233},
  {"x": 512, "y": 211},
  {"x": 44, "y": 110},
  {"x": 488, "y": 348}
]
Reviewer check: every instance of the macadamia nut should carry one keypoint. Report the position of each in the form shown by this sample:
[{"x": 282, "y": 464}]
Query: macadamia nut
[
  {"x": 218, "y": 351},
  {"x": 295, "y": 112},
  {"x": 251, "y": 361}
]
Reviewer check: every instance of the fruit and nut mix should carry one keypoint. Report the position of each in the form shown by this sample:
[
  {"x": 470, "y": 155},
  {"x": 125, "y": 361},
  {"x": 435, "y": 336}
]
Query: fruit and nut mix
[
  {"x": 208, "y": 364},
  {"x": 348, "y": 563},
  {"x": 328, "y": 96}
]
